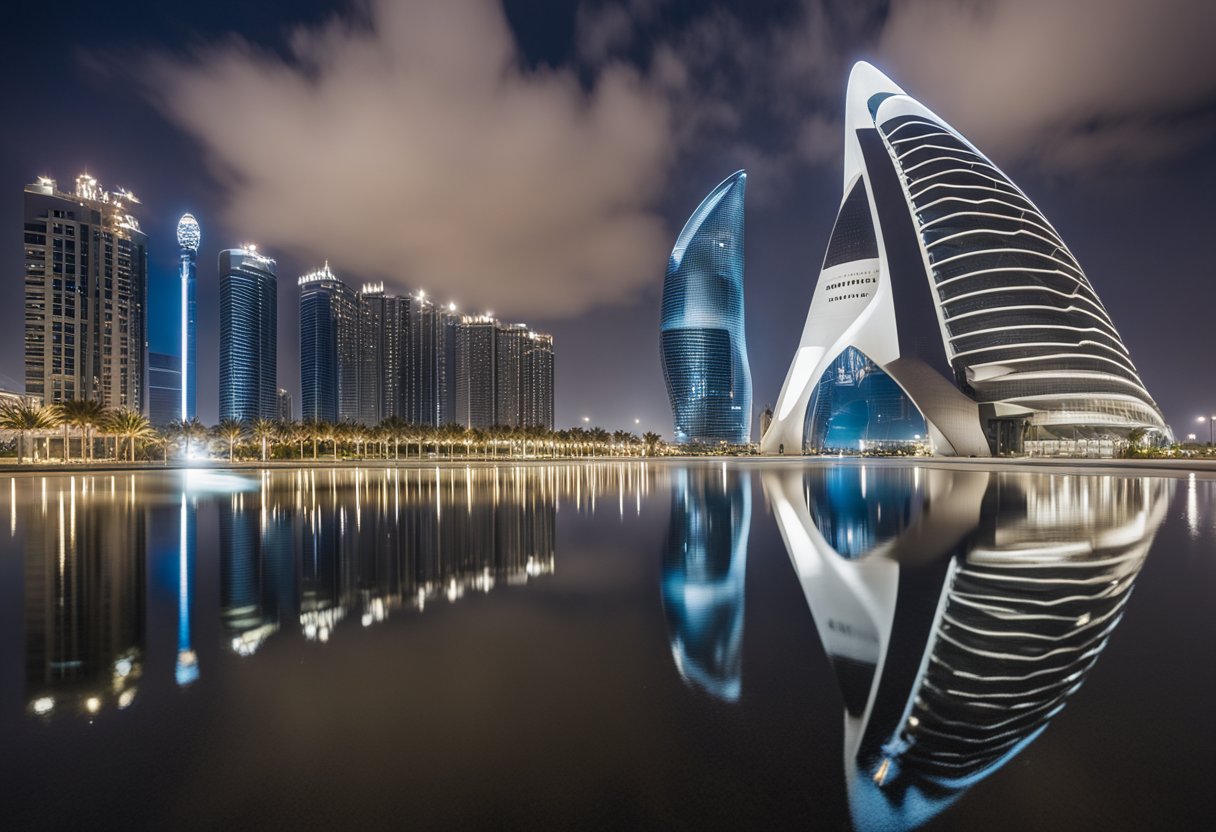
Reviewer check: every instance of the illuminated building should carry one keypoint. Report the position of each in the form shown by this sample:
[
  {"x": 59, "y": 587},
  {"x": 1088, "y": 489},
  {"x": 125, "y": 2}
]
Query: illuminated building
[
  {"x": 329, "y": 367},
  {"x": 504, "y": 374},
  {"x": 701, "y": 336},
  {"x": 248, "y": 335},
  {"x": 948, "y": 285},
  {"x": 85, "y": 295},
  {"x": 285, "y": 409},
  {"x": 476, "y": 365},
  {"x": 428, "y": 361},
  {"x": 537, "y": 384},
  {"x": 189, "y": 235},
  {"x": 509, "y": 341},
  {"x": 381, "y": 320}
]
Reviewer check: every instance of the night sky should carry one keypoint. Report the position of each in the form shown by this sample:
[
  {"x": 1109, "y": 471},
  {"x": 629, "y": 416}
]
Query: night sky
[{"x": 537, "y": 159}]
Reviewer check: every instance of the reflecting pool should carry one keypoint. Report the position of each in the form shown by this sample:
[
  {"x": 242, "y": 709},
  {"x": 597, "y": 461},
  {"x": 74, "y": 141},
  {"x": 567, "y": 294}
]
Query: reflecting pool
[{"x": 874, "y": 645}]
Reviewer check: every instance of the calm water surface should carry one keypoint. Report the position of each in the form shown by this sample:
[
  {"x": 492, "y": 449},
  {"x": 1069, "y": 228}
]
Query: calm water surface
[{"x": 760, "y": 645}]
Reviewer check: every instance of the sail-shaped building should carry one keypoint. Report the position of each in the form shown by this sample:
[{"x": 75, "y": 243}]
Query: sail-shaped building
[
  {"x": 701, "y": 333},
  {"x": 948, "y": 288}
]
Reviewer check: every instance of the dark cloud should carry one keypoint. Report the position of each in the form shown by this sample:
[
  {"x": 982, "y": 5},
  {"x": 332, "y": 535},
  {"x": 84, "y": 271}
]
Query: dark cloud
[
  {"x": 407, "y": 142},
  {"x": 1070, "y": 86},
  {"x": 411, "y": 146}
]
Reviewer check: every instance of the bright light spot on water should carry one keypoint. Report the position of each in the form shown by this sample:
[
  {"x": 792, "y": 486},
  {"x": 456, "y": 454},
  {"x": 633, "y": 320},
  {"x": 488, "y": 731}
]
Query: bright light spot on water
[{"x": 1192, "y": 506}]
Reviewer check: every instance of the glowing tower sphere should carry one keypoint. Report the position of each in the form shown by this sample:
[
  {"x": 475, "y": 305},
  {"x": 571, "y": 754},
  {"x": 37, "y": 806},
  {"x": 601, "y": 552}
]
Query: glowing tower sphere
[{"x": 188, "y": 233}]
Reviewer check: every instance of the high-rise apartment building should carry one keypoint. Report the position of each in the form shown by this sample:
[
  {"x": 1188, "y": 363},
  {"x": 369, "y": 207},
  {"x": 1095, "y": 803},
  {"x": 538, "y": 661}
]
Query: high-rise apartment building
[
  {"x": 368, "y": 356},
  {"x": 429, "y": 356},
  {"x": 476, "y": 368},
  {"x": 189, "y": 235},
  {"x": 85, "y": 295},
  {"x": 504, "y": 374},
  {"x": 537, "y": 382},
  {"x": 248, "y": 335},
  {"x": 329, "y": 348},
  {"x": 508, "y": 373},
  {"x": 285, "y": 409}
]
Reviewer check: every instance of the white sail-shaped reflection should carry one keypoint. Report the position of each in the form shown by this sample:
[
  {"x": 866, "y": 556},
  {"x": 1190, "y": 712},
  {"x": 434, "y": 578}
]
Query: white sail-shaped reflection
[{"x": 958, "y": 638}]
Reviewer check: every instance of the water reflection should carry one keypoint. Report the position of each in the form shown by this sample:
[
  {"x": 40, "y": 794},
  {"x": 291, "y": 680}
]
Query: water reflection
[
  {"x": 958, "y": 637},
  {"x": 296, "y": 550},
  {"x": 84, "y": 601},
  {"x": 704, "y": 566}
]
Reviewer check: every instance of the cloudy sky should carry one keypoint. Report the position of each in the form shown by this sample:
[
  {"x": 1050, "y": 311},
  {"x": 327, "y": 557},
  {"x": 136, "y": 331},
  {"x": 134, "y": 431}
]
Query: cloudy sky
[{"x": 537, "y": 158}]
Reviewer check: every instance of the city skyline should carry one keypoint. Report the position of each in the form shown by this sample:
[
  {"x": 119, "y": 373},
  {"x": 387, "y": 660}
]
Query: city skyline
[{"x": 1156, "y": 194}]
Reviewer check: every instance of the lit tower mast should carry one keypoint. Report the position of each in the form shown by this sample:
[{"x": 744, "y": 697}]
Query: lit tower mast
[{"x": 188, "y": 237}]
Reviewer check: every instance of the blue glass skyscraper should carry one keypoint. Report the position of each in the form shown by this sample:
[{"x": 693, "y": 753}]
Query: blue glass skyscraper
[
  {"x": 702, "y": 343},
  {"x": 329, "y": 348},
  {"x": 189, "y": 235},
  {"x": 248, "y": 335}
]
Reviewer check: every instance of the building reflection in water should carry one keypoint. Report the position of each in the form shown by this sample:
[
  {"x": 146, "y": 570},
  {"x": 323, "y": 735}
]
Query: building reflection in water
[
  {"x": 316, "y": 547},
  {"x": 85, "y": 555},
  {"x": 186, "y": 668},
  {"x": 704, "y": 569},
  {"x": 957, "y": 636},
  {"x": 299, "y": 551}
]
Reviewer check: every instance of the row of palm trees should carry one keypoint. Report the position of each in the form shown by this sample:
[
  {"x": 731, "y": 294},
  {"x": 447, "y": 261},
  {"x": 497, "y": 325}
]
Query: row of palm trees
[
  {"x": 122, "y": 427},
  {"x": 126, "y": 431}
]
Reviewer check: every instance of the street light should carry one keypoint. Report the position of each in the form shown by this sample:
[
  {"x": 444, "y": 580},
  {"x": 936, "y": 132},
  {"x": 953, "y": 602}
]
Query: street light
[{"x": 1211, "y": 420}]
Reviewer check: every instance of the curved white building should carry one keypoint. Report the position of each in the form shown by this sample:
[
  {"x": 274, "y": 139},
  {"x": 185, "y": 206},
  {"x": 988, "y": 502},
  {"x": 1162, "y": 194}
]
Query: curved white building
[{"x": 940, "y": 269}]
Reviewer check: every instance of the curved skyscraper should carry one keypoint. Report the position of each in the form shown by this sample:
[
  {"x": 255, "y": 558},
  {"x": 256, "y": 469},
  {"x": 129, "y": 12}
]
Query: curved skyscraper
[
  {"x": 189, "y": 235},
  {"x": 702, "y": 344},
  {"x": 949, "y": 282},
  {"x": 248, "y": 335}
]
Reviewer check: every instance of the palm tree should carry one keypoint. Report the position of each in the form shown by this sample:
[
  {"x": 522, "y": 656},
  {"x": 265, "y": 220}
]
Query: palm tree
[
  {"x": 231, "y": 431},
  {"x": 392, "y": 429},
  {"x": 600, "y": 437},
  {"x": 24, "y": 416},
  {"x": 651, "y": 441},
  {"x": 326, "y": 432},
  {"x": 300, "y": 433},
  {"x": 264, "y": 431},
  {"x": 84, "y": 414},
  {"x": 130, "y": 425}
]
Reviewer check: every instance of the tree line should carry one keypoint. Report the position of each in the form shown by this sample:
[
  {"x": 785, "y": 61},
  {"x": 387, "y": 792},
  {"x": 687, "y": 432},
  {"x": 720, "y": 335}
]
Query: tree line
[{"x": 127, "y": 434}]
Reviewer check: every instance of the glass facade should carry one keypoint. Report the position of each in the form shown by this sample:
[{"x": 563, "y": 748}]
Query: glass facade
[
  {"x": 858, "y": 408},
  {"x": 329, "y": 365},
  {"x": 164, "y": 388},
  {"x": 702, "y": 343},
  {"x": 248, "y": 335}
]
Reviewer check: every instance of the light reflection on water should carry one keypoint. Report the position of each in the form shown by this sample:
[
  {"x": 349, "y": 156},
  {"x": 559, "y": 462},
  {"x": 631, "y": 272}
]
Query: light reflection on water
[{"x": 959, "y": 610}]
